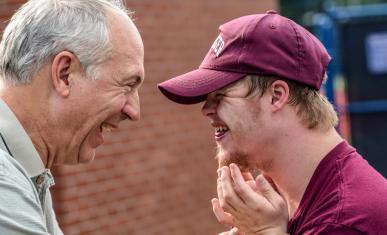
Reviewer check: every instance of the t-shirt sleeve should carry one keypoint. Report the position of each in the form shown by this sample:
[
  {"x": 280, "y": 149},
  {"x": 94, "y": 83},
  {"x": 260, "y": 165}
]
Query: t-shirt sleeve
[{"x": 333, "y": 229}]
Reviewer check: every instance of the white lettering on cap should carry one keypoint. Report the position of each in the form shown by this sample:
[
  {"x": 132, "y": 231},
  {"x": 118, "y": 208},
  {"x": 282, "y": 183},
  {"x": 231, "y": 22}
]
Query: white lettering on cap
[{"x": 218, "y": 45}]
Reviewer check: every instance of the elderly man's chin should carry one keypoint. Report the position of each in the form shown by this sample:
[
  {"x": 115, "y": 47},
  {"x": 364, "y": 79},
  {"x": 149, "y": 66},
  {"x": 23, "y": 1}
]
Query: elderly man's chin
[
  {"x": 225, "y": 158},
  {"x": 87, "y": 155}
]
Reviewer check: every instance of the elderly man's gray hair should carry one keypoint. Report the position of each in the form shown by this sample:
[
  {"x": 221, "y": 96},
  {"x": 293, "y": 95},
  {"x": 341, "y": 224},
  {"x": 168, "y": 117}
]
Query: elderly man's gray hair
[{"x": 42, "y": 28}]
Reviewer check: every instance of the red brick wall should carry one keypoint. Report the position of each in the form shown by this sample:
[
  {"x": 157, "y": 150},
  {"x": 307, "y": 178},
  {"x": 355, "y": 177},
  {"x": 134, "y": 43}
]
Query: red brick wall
[{"x": 156, "y": 176}]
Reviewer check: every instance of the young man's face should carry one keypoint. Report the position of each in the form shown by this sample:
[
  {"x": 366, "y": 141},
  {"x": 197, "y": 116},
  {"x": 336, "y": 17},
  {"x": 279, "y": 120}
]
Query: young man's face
[{"x": 238, "y": 122}]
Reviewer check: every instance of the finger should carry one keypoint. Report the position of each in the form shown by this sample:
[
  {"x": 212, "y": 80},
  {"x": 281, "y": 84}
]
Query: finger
[
  {"x": 271, "y": 182},
  {"x": 230, "y": 199},
  {"x": 247, "y": 176},
  {"x": 219, "y": 187},
  {"x": 253, "y": 185},
  {"x": 234, "y": 231},
  {"x": 225, "y": 233},
  {"x": 219, "y": 190},
  {"x": 222, "y": 216},
  {"x": 268, "y": 191},
  {"x": 243, "y": 189}
]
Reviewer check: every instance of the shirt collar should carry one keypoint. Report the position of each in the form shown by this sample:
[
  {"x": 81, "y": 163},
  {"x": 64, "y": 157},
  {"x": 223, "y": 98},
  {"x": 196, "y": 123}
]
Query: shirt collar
[{"x": 18, "y": 142}]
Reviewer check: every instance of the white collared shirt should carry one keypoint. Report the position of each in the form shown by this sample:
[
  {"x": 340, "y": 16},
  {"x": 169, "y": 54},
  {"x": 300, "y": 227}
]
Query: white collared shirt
[{"x": 25, "y": 199}]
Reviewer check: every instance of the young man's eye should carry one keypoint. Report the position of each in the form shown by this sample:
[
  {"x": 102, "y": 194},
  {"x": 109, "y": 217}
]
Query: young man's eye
[{"x": 219, "y": 96}]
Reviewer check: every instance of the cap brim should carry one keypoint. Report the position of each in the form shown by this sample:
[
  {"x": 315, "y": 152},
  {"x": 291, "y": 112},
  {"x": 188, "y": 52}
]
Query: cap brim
[{"x": 193, "y": 87}]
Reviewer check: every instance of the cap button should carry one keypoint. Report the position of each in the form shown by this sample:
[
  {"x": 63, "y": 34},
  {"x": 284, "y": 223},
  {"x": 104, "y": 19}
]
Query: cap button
[{"x": 271, "y": 12}]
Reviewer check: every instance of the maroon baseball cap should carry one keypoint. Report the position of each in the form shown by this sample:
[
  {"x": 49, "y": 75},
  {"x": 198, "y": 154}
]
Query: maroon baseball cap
[{"x": 261, "y": 44}]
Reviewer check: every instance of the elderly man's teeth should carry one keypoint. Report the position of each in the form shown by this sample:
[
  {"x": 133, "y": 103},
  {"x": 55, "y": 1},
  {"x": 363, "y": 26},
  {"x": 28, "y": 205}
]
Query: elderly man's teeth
[{"x": 106, "y": 127}]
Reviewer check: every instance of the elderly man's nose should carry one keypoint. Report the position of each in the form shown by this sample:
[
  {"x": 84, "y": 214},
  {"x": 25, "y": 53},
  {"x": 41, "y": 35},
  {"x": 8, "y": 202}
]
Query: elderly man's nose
[{"x": 131, "y": 112}]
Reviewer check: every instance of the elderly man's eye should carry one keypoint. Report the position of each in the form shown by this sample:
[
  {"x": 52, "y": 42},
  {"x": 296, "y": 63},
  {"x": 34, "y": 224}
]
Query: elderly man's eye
[{"x": 131, "y": 85}]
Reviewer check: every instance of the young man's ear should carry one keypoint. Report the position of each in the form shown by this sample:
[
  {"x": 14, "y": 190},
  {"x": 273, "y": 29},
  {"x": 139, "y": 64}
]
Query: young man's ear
[
  {"x": 63, "y": 65},
  {"x": 279, "y": 91}
]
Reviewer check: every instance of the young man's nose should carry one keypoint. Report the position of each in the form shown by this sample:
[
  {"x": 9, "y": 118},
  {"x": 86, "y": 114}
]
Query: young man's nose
[{"x": 209, "y": 107}]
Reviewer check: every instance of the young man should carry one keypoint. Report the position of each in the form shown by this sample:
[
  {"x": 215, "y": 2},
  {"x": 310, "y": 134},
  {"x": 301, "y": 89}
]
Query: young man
[
  {"x": 70, "y": 71},
  {"x": 260, "y": 83}
]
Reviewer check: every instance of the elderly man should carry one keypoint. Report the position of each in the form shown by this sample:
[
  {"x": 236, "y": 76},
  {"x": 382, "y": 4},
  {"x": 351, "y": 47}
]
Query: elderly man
[
  {"x": 260, "y": 83},
  {"x": 70, "y": 71}
]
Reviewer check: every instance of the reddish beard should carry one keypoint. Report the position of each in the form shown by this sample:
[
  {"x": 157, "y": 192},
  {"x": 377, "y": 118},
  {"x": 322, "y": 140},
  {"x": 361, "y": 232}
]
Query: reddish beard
[{"x": 239, "y": 158}]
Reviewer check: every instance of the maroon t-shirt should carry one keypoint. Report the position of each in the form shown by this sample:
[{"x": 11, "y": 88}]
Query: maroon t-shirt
[{"x": 344, "y": 196}]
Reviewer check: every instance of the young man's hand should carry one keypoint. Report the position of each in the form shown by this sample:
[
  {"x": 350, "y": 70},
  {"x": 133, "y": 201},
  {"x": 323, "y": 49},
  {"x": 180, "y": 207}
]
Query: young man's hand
[
  {"x": 233, "y": 231},
  {"x": 254, "y": 207}
]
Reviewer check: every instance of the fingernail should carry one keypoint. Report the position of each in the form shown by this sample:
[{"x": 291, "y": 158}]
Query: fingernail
[{"x": 261, "y": 179}]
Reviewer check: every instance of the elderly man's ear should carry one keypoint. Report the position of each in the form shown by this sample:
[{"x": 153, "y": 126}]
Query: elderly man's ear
[{"x": 64, "y": 66}]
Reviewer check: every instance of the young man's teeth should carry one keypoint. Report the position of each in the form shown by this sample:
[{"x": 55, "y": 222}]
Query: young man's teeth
[{"x": 221, "y": 129}]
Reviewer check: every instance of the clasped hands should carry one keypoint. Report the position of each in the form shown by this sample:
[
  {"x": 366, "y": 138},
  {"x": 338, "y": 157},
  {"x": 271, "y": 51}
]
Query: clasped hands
[{"x": 248, "y": 206}]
